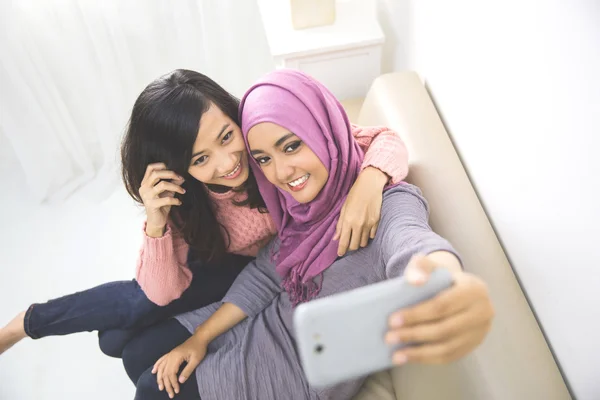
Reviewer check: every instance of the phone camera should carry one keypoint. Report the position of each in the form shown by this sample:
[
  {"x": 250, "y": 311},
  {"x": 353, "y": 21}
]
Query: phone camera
[{"x": 319, "y": 349}]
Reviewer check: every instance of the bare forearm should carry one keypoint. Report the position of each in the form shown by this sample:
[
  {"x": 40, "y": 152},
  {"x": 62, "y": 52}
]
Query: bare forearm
[
  {"x": 155, "y": 231},
  {"x": 375, "y": 175},
  {"x": 225, "y": 318}
]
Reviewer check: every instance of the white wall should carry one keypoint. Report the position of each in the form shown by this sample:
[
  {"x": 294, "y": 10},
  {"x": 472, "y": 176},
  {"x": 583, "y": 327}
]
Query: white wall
[
  {"x": 89, "y": 60},
  {"x": 518, "y": 85}
]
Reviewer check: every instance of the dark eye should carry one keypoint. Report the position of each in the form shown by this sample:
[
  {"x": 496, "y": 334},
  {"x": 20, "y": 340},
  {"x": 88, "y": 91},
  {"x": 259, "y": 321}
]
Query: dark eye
[
  {"x": 262, "y": 160},
  {"x": 200, "y": 160},
  {"x": 290, "y": 148},
  {"x": 227, "y": 136}
]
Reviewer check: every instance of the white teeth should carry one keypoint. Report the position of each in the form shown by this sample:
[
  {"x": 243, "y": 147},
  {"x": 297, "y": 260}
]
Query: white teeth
[
  {"x": 234, "y": 170},
  {"x": 299, "y": 181}
]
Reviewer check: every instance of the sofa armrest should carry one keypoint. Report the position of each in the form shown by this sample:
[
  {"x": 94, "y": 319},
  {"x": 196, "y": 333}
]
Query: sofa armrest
[{"x": 515, "y": 361}]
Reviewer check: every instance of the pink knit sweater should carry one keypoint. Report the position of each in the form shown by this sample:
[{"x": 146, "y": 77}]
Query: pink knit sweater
[{"x": 162, "y": 270}]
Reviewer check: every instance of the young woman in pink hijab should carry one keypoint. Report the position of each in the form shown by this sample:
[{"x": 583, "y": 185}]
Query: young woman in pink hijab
[{"x": 305, "y": 161}]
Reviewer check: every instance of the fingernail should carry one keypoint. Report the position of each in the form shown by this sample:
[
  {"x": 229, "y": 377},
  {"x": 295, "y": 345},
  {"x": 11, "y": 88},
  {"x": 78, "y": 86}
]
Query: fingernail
[
  {"x": 392, "y": 339},
  {"x": 181, "y": 379},
  {"x": 396, "y": 321},
  {"x": 399, "y": 359},
  {"x": 160, "y": 387},
  {"x": 170, "y": 396},
  {"x": 416, "y": 276}
]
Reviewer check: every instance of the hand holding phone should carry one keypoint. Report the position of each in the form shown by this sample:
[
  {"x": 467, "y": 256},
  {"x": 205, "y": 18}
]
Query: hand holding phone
[{"x": 341, "y": 337}]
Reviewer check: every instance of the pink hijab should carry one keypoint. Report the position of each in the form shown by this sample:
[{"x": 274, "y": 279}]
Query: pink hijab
[{"x": 299, "y": 103}]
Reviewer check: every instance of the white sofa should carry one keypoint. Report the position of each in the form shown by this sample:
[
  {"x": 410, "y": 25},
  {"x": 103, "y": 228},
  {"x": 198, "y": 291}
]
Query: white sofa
[{"x": 514, "y": 363}]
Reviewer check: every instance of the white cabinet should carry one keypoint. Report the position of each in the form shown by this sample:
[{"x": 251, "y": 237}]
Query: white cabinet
[{"x": 345, "y": 56}]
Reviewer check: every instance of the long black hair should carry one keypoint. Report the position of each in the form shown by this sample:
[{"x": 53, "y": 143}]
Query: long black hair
[{"x": 163, "y": 127}]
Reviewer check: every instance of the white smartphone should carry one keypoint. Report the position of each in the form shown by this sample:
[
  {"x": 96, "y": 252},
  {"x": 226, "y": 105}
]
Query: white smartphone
[{"x": 341, "y": 337}]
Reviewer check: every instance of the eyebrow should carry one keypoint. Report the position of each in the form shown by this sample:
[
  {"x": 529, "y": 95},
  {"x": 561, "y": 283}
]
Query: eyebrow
[
  {"x": 278, "y": 143},
  {"x": 283, "y": 139},
  {"x": 218, "y": 137}
]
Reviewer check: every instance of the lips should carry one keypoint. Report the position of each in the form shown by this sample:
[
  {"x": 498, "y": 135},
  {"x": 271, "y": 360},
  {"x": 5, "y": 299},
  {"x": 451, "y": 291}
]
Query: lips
[
  {"x": 235, "y": 173},
  {"x": 298, "y": 184}
]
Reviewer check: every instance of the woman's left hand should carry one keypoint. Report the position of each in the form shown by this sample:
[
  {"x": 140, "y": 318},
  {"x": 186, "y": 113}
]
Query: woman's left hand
[
  {"x": 361, "y": 211},
  {"x": 446, "y": 327}
]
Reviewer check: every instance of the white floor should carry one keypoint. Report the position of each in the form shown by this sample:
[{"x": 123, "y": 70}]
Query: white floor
[{"x": 50, "y": 250}]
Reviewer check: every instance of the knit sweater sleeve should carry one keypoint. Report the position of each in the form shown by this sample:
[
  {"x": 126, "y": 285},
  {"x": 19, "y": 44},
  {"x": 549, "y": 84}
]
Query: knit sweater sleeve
[
  {"x": 162, "y": 270},
  {"x": 404, "y": 230},
  {"x": 384, "y": 150}
]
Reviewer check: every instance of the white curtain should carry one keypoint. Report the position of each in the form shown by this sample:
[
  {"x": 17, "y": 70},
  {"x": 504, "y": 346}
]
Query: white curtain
[{"x": 70, "y": 71}]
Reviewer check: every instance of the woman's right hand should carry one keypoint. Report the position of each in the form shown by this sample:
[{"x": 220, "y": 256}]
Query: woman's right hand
[
  {"x": 192, "y": 352},
  {"x": 157, "y": 191}
]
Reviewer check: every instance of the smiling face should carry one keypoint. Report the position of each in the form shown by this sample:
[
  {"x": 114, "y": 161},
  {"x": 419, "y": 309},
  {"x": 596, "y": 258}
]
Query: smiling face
[
  {"x": 287, "y": 161},
  {"x": 219, "y": 154}
]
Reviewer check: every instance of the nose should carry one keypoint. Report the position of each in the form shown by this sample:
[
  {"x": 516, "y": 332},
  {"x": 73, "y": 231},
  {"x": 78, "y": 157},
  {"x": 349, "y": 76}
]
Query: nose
[
  {"x": 227, "y": 163},
  {"x": 284, "y": 171}
]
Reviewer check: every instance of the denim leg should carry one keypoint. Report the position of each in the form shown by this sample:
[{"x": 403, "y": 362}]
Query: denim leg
[
  {"x": 112, "y": 305},
  {"x": 151, "y": 344},
  {"x": 124, "y": 305},
  {"x": 209, "y": 284},
  {"x": 147, "y": 388},
  {"x": 113, "y": 341}
]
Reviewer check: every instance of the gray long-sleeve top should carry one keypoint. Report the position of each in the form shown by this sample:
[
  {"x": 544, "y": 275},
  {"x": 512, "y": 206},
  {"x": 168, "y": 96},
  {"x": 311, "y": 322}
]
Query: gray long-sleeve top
[{"x": 257, "y": 359}]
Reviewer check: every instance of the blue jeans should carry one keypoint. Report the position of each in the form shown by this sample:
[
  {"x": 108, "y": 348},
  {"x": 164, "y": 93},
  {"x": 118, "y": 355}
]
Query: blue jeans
[
  {"x": 142, "y": 352},
  {"x": 120, "y": 310}
]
